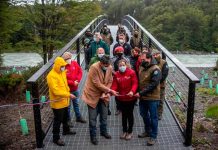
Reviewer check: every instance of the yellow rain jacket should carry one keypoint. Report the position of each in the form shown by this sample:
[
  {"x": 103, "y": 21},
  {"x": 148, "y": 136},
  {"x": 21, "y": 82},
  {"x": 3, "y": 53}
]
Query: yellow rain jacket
[{"x": 59, "y": 92}]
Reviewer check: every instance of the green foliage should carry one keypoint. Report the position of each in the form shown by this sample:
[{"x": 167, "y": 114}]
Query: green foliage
[
  {"x": 212, "y": 111},
  {"x": 50, "y": 25},
  {"x": 177, "y": 24},
  {"x": 207, "y": 91}
]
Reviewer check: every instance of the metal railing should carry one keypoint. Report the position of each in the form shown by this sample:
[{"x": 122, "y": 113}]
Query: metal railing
[
  {"x": 181, "y": 82},
  {"x": 38, "y": 87}
]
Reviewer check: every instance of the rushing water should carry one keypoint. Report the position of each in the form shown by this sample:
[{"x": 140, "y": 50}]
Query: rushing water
[{"x": 32, "y": 59}]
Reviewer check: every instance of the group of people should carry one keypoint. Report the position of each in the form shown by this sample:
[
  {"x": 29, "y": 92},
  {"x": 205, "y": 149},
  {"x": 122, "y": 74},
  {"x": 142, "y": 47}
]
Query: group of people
[{"x": 135, "y": 72}]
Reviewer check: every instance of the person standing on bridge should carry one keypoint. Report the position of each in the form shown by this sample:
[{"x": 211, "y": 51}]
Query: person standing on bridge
[
  {"x": 126, "y": 46},
  {"x": 96, "y": 95},
  {"x": 59, "y": 95},
  {"x": 74, "y": 76},
  {"x": 149, "y": 96},
  {"x": 119, "y": 56},
  {"x": 135, "y": 53},
  {"x": 106, "y": 35},
  {"x": 162, "y": 64},
  {"x": 125, "y": 82},
  {"x": 99, "y": 54},
  {"x": 86, "y": 41},
  {"x": 98, "y": 42},
  {"x": 136, "y": 40}
]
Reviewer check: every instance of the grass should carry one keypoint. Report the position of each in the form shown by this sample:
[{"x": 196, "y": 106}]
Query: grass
[
  {"x": 207, "y": 91},
  {"x": 212, "y": 111}
]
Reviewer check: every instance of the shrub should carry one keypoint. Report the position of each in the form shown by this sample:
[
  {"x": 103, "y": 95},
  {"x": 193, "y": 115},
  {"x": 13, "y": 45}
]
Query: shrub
[
  {"x": 212, "y": 111},
  {"x": 10, "y": 85},
  {"x": 207, "y": 91}
]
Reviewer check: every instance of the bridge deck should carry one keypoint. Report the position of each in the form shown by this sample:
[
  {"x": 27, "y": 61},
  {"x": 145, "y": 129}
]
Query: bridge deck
[{"x": 169, "y": 136}]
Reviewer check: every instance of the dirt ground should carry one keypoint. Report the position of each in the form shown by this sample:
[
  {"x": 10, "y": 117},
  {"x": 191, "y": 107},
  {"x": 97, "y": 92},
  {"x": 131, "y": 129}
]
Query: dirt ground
[
  {"x": 11, "y": 135},
  {"x": 205, "y": 133}
]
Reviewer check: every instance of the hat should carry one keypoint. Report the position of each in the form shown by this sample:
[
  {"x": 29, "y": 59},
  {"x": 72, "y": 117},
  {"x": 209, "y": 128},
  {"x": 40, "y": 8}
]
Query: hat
[
  {"x": 119, "y": 49},
  {"x": 155, "y": 51},
  {"x": 67, "y": 55}
]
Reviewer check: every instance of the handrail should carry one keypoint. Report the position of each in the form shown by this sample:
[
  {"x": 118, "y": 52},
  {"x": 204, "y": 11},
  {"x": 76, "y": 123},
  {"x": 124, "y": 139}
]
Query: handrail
[
  {"x": 40, "y": 72},
  {"x": 182, "y": 68}
]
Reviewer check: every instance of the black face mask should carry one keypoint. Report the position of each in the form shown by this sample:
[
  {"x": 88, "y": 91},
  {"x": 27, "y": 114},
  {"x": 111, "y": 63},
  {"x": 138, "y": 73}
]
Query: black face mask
[
  {"x": 135, "y": 35},
  {"x": 145, "y": 64},
  {"x": 119, "y": 54}
]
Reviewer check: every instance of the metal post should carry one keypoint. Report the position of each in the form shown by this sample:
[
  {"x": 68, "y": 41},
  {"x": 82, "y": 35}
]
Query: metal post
[
  {"x": 149, "y": 42},
  {"x": 163, "y": 55},
  {"x": 190, "y": 113},
  {"x": 78, "y": 50},
  {"x": 37, "y": 116}
]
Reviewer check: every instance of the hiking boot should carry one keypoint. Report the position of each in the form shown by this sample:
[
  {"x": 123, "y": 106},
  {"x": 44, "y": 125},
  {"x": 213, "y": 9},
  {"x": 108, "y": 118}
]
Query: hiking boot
[
  {"x": 143, "y": 135},
  {"x": 123, "y": 136},
  {"x": 70, "y": 123},
  {"x": 129, "y": 136},
  {"x": 69, "y": 132},
  {"x": 81, "y": 120},
  {"x": 59, "y": 142},
  {"x": 151, "y": 142},
  {"x": 106, "y": 135},
  {"x": 94, "y": 140},
  {"x": 117, "y": 112}
]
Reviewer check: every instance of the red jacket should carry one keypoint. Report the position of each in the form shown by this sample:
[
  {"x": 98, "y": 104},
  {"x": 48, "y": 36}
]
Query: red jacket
[
  {"x": 124, "y": 83},
  {"x": 74, "y": 72}
]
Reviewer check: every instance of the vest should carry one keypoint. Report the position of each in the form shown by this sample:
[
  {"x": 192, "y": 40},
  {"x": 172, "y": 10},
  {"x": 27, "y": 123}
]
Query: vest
[
  {"x": 144, "y": 80},
  {"x": 160, "y": 65}
]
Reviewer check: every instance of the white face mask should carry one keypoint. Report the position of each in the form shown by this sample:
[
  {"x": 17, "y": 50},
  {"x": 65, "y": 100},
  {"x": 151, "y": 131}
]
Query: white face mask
[
  {"x": 122, "y": 68},
  {"x": 100, "y": 55},
  {"x": 68, "y": 61},
  {"x": 62, "y": 69},
  {"x": 121, "y": 41}
]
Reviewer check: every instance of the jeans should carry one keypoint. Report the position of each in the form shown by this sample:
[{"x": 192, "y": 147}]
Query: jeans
[
  {"x": 102, "y": 110},
  {"x": 149, "y": 112},
  {"x": 127, "y": 115},
  {"x": 75, "y": 106},
  {"x": 60, "y": 116}
]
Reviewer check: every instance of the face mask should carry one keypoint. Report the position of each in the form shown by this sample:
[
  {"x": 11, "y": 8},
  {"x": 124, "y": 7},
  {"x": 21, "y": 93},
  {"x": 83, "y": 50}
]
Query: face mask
[
  {"x": 119, "y": 54},
  {"x": 62, "y": 69},
  {"x": 144, "y": 64},
  {"x": 104, "y": 68},
  {"x": 68, "y": 61},
  {"x": 136, "y": 55},
  {"x": 122, "y": 68},
  {"x": 95, "y": 39},
  {"x": 136, "y": 35},
  {"x": 100, "y": 55},
  {"x": 121, "y": 41}
]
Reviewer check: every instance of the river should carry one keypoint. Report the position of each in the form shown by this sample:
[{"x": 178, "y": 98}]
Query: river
[{"x": 32, "y": 59}]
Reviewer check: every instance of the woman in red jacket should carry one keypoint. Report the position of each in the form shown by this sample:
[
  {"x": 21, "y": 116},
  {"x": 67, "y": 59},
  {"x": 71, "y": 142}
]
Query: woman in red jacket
[
  {"x": 126, "y": 83},
  {"x": 74, "y": 75}
]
